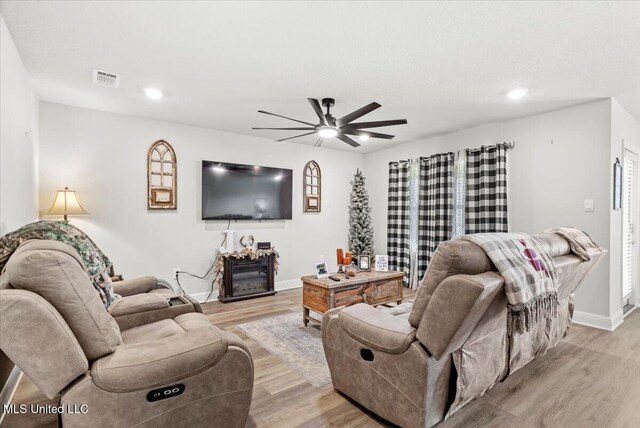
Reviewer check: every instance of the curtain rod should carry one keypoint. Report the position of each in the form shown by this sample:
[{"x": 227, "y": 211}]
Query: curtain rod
[
  {"x": 399, "y": 161},
  {"x": 507, "y": 145}
]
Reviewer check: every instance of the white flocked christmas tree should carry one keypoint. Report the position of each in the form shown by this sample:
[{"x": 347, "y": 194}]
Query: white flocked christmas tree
[{"x": 360, "y": 227}]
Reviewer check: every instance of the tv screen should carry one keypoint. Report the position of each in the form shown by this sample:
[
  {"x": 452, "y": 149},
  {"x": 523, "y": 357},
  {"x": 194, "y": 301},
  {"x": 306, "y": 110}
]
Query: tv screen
[{"x": 233, "y": 191}]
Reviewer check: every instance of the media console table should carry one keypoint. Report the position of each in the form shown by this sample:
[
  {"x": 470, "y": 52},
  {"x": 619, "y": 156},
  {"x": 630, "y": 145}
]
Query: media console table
[{"x": 373, "y": 288}]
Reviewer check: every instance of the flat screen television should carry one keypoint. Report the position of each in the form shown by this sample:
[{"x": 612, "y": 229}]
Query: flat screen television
[{"x": 233, "y": 191}]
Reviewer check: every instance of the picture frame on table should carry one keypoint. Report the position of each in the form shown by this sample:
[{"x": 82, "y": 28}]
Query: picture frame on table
[
  {"x": 364, "y": 262},
  {"x": 322, "y": 271},
  {"x": 381, "y": 263}
]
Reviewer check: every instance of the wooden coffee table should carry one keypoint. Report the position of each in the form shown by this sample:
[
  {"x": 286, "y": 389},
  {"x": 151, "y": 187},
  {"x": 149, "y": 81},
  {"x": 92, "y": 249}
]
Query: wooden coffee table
[{"x": 373, "y": 288}]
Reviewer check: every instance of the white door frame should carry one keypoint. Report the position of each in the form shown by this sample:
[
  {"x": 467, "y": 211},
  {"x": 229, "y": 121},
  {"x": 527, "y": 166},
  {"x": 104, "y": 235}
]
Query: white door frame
[{"x": 629, "y": 150}]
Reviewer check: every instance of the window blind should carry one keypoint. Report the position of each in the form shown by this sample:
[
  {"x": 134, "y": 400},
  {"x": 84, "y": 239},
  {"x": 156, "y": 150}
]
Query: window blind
[{"x": 627, "y": 237}]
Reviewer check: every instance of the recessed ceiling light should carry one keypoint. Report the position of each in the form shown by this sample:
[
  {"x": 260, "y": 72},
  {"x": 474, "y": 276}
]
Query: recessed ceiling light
[
  {"x": 363, "y": 137},
  {"x": 517, "y": 93},
  {"x": 153, "y": 93},
  {"x": 327, "y": 132}
]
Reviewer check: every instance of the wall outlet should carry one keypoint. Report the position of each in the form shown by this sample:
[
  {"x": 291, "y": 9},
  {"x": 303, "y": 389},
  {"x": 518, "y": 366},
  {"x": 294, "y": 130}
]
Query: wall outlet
[{"x": 176, "y": 272}]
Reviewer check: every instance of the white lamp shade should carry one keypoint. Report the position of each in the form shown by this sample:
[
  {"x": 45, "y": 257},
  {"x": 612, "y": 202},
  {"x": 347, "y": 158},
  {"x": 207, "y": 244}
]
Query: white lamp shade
[{"x": 66, "y": 203}]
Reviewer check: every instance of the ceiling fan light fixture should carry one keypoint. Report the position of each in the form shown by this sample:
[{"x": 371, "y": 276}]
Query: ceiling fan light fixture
[
  {"x": 344, "y": 128},
  {"x": 328, "y": 132}
]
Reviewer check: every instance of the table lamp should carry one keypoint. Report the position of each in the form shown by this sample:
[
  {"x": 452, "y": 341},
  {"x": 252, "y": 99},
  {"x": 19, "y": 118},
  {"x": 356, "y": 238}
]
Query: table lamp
[{"x": 66, "y": 203}]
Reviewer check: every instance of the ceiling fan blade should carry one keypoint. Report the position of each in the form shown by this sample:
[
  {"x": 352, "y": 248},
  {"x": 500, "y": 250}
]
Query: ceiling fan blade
[
  {"x": 296, "y": 136},
  {"x": 285, "y": 117},
  {"x": 370, "y": 134},
  {"x": 347, "y": 140},
  {"x": 358, "y": 113},
  {"x": 376, "y": 124},
  {"x": 290, "y": 129},
  {"x": 318, "y": 109}
]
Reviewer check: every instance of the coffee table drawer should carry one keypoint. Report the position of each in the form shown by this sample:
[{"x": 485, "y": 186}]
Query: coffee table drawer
[
  {"x": 383, "y": 291},
  {"x": 348, "y": 297}
]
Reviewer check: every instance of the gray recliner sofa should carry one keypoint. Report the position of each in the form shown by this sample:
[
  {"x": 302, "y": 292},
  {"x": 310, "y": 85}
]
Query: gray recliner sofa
[
  {"x": 418, "y": 363},
  {"x": 179, "y": 371}
]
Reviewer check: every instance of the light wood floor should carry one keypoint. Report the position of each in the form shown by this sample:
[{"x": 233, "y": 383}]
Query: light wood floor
[{"x": 592, "y": 379}]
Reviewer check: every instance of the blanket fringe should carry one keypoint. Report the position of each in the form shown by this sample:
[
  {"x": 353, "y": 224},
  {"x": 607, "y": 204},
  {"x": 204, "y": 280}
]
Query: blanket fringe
[{"x": 523, "y": 316}]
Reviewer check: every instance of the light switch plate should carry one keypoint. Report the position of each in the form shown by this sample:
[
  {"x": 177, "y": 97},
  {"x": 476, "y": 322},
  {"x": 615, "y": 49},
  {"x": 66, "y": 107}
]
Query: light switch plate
[{"x": 588, "y": 205}]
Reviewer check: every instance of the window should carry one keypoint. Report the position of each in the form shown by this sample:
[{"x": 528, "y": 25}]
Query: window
[
  {"x": 162, "y": 176},
  {"x": 459, "y": 194},
  {"x": 629, "y": 207},
  {"x": 312, "y": 187}
]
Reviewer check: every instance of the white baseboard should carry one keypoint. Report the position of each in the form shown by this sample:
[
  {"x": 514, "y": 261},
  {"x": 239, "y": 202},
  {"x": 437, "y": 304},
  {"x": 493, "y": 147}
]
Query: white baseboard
[
  {"x": 288, "y": 285},
  {"x": 279, "y": 286},
  {"x": 200, "y": 297},
  {"x": 617, "y": 320},
  {"x": 598, "y": 321}
]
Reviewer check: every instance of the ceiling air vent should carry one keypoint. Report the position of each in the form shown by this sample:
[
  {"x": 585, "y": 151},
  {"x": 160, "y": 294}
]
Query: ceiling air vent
[{"x": 106, "y": 79}]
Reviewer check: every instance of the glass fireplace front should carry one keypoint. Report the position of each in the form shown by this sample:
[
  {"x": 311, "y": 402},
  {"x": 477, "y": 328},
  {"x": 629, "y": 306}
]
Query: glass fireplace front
[{"x": 245, "y": 278}]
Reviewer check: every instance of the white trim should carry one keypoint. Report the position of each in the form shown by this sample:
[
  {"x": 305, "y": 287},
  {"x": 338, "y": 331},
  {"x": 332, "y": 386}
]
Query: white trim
[
  {"x": 598, "y": 321},
  {"x": 288, "y": 285},
  {"x": 200, "y": 297},
  {"x": 280, "y": 286},
  {"x": 9, "y": 388},
  {"x": 617, "y": 320}
]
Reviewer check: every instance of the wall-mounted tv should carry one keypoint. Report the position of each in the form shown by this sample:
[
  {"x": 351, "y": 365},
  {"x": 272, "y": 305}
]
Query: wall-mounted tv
[{"x": 233, "y": 191}]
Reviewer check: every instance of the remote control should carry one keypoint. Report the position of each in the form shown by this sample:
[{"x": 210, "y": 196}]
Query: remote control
[{"x": 335, "y": 278}]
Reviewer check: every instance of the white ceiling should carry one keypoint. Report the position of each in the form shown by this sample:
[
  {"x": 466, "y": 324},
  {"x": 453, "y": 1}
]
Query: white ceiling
[{"x": 442, "y": 66}]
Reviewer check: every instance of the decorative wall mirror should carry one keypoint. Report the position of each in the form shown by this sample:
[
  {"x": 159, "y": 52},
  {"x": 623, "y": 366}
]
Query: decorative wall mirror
[
  {"x": 162, "y": 177},
  {"x": 312, "y": 187}
]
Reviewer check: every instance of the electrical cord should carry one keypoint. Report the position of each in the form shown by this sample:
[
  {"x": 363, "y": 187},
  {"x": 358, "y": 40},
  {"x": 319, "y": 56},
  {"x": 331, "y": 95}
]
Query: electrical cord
[
  {"x": 178, "y": 282},
  {"x": 196, "y": 276},
  {"x": 178, "y": 272}
]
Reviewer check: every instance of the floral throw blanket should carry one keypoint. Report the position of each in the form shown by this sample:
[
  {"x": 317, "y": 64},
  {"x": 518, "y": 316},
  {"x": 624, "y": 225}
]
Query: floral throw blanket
[
  {"x": 530, "y": 278},
  {"x": 99, "y": 267}
]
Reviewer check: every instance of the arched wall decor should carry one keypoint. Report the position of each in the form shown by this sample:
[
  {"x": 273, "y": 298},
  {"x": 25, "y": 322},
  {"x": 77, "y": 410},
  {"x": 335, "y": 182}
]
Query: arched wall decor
[
  {"x": 312, "y": 187},
  {"x": 162, "y": 177}
]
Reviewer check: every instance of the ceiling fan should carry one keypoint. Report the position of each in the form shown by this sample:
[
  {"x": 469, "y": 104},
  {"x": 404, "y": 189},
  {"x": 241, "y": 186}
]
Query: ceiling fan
[{"x": 340, "y": 128}]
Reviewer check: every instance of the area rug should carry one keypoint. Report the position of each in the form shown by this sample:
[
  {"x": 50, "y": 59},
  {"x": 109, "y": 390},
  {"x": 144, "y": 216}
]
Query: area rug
[{"x": 299, "y": 347}]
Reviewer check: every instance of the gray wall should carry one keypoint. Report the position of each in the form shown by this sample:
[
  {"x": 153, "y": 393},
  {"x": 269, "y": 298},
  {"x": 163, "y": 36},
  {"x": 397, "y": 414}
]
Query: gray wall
[{"x": 560, "y": 159}]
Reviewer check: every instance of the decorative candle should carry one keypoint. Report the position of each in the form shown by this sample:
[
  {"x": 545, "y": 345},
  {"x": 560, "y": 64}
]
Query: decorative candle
[
  {"x": 340, "y": 256},
  {"x": 347, "y": 258}
]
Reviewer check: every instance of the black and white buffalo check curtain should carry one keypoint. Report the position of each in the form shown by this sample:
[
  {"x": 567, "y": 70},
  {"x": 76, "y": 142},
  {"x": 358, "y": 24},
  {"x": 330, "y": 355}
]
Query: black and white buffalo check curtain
[
  {"x": 398, "y": 218},
  {"x": 435, "y": 205},
  {"x": 449, "y": 196},
  {"x": 486, "y": 188}
]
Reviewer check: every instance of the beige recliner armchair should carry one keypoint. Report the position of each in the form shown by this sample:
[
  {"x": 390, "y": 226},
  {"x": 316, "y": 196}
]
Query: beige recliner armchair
[
  {"x": 418, "y": 363},
  {"x": 144, "y": 299},
  {"x": 174, "y": 372}
]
